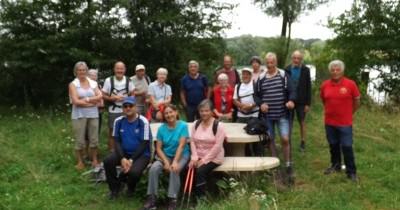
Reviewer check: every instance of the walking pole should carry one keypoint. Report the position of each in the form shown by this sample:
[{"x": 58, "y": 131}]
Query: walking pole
[
  {"x": 190, "y": 187},
  {"x": 185, "y": 189},
  {"x": 290, "y": 177}
]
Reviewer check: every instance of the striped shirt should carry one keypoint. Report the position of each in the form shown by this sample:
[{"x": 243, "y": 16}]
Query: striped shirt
[{"x": 273, "y": 94}]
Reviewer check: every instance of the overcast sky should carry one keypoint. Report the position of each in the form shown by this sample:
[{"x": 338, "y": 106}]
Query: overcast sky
[{"x": 247, "y": 18}]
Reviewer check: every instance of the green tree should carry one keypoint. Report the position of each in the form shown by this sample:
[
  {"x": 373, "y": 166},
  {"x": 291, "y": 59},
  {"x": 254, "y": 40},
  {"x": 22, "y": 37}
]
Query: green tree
[
  {"x": 41, "y": 40},
  {"x": 170, "y": 33},
  {"x": 369, "y": 36}
]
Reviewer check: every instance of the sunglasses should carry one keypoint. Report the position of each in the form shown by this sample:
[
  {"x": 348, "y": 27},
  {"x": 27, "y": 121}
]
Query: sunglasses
[{"x": 127, "y": 105}]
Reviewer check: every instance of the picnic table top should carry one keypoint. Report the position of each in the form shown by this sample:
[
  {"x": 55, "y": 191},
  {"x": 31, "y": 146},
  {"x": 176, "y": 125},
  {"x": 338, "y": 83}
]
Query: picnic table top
[{"x": 234, "y": 132}]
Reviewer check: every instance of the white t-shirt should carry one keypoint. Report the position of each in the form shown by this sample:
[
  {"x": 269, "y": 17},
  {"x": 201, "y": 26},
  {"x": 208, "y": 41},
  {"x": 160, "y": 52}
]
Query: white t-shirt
[
  {"x": 246, "y": 92},
  {"x": 119, "y": 89}
]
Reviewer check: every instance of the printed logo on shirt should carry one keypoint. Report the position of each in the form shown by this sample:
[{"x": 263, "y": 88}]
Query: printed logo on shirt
[
  {"x": 343, "y": 90},
  {"x": 137, "y": 130},
  {"x": 121, "y": 130}
]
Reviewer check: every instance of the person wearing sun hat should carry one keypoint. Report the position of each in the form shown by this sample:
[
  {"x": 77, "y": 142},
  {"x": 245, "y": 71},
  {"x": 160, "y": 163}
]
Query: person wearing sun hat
[
  {"x": 132, "y": 136},
  {"x": 243, "y": 98},
  {"x": 141, "y": 82}
]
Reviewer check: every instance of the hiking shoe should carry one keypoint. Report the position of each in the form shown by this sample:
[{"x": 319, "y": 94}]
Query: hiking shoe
[
  {"x": 352, "y": 177},
  {"x": 113, "y": 195},
  {"x": 290, "y": 175},
  {"x": 331, "y": 170},
  {"x": 302, "y": 146},
  {"x": 150, "y": 203},
  {"x": 172, "y": 204}
]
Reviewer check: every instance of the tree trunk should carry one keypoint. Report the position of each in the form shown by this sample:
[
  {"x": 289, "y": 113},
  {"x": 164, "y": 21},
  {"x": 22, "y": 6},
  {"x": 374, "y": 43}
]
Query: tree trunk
[
  {"x": 288, "y": 41},
  {"x": 284, "y": 25}
]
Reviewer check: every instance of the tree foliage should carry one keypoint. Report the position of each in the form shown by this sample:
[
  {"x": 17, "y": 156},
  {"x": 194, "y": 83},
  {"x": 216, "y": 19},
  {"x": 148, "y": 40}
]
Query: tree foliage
[
  {"x": 369, "y": 36},
  {"x": 290, "y": 11},
  {"x": 41, "y": 40}
]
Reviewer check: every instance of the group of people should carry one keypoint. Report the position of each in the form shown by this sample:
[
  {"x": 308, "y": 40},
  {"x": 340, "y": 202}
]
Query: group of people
[{"x": 272, "y": 94}]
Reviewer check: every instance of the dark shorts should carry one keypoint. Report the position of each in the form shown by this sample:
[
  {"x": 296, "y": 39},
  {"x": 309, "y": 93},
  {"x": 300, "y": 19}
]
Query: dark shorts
[
  {"x": 301, "y": 115},
  {"x": 111, "y": 119}
]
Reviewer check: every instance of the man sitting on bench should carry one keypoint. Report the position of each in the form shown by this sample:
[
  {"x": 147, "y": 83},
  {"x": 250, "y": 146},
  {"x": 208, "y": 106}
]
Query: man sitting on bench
[{"x": 132, "y": 149}]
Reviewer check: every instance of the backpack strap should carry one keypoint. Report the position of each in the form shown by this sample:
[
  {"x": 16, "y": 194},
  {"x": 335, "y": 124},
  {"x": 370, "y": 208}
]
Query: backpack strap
[
  {"x": 112, "y": 85},
  {"x": 147, "y": 80},
  {"x": 127, "y": 80},
  {"x": 214, "y": 126},
  {"x": 237, "y": 76},
  {"x": 237, "y": 90}
]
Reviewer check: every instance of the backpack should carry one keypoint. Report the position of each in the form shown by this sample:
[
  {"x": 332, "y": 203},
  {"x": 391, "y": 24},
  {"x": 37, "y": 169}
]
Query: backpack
[
  {"x": 97, "y": 174},
  {"x": 257, "y": 126},
  {"x": 127, "y": 80}
]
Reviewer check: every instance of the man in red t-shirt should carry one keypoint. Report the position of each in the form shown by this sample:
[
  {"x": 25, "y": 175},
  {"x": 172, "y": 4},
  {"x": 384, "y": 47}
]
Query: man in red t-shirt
[{"x": 341, "y": 99}]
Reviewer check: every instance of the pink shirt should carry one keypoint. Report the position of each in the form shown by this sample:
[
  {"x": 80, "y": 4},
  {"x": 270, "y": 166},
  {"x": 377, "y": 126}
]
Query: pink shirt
[{"x": 205, "y": 146}]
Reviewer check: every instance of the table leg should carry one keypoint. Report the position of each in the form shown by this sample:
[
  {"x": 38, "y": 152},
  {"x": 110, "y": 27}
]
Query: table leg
[{"x": 236, "y": 150}]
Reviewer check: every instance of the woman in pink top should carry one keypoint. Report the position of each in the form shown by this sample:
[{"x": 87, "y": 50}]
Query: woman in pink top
[{"x": 206, "y": 146}]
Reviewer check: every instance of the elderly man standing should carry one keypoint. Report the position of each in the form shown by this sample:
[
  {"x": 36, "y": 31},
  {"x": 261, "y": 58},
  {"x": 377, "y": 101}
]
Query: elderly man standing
[
  {"x": 341, "y": 99},
  {"x": 275, "y": 96},
  {"x": 115, "y": 89},
  {"x": 141, "y": 82},
  {"x": 301, "y": 79},
  {"x": 194, "y": 89}
]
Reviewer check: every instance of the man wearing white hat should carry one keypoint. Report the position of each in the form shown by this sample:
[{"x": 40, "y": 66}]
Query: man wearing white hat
[
  {"x": 141, "y": 82},
  {"x": 244, "y": 97}
]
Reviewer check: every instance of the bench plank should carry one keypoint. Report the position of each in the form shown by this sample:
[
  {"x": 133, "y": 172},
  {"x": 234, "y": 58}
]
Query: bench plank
[{"x": 248, "y": 163}]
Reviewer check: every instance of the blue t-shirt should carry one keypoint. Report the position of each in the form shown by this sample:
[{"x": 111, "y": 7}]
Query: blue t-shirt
[
  {"x": 132, "y": 134},
  {"x": 170, "y": 138},
  {"x": 295, "y": 75},
  {"x": 195, "y": 89}
]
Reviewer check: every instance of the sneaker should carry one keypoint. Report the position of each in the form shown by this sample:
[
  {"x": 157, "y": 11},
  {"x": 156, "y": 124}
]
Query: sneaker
[
  {"x": 172, "y": 204},
  {"x": 150, "y": 203},
  {"x": 352, "y": 177},
  {"x": 302, "y": 146},
  {"x": 332, "y": 169}
]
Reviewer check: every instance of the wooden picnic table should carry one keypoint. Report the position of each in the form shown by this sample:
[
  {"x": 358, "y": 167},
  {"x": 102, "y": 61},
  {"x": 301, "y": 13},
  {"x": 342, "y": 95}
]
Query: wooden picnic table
[{"x": 237, "y": 137}]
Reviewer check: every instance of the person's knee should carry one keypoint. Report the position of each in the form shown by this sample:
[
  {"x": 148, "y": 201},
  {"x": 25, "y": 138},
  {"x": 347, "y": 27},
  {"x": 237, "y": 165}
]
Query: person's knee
[{"x": 285, "y": 141}]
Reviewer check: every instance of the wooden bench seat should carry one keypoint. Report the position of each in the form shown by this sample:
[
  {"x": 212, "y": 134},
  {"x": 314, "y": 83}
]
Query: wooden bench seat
[{"x": 248, "y": 164}]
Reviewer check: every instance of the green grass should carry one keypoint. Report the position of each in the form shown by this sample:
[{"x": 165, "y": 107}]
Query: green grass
[{"x": 36, "y": 169}]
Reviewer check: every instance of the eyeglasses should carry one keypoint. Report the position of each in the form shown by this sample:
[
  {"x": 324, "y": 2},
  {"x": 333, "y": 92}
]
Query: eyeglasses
[{"x": 127, "y": 106}]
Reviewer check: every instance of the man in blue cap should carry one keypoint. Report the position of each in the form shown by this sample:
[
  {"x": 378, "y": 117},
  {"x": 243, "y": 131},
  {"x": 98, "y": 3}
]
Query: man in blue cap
[{"x": 132, "y": 136}]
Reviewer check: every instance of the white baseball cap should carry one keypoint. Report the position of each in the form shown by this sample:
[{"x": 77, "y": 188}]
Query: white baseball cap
[{"x": 139, "y": 67}]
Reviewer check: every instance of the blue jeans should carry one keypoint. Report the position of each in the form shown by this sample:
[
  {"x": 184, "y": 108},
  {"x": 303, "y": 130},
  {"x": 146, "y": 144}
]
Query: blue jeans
[
  {"x": 340, "y": 140},
  {"x": 282, "y": 124}
]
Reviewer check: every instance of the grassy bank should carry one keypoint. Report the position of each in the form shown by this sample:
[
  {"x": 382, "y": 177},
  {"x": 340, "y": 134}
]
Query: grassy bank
[{"x": 36, "y": 169}]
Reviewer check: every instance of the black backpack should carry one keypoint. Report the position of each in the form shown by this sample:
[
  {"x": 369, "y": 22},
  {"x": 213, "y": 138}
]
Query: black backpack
[{"x": 257, "y": 126}]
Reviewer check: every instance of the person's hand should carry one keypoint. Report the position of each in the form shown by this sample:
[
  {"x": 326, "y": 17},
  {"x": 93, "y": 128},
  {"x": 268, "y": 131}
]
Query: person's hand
[
  {"x": 200, "y": 163},
  {"x": 119, "y": 98},
  {"x": 290, "y": 105},
  {"x": 228, "y": 116},
  {"x": 167, "y": 166},
  {"x": 193, "y": 163},
  {"x": 264, "y": 108},
  {"x": 125, "y": 165},
  {"x": 175, "y": 167},
  {"x": 306, "y": 108}
]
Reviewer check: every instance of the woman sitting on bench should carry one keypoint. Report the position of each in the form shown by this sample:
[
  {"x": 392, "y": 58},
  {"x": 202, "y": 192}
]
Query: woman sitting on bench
[
  {"x": 206, "y": 145},
  {"x": 172, "y": 155}
]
